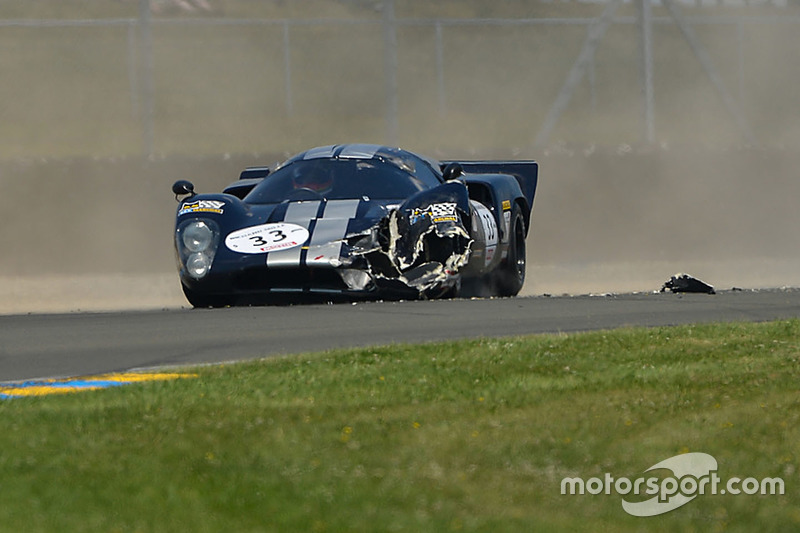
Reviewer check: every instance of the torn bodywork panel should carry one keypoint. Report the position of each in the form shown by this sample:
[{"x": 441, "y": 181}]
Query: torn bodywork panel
[
  {"x": 686, "y": 283},
  {"x": 424, "y": 242}
]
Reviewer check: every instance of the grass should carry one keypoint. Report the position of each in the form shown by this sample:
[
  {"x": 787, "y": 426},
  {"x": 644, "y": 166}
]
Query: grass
[{"x": 471, "y": 436}]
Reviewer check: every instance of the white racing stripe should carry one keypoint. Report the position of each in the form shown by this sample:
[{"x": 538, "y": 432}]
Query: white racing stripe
[
  {"x": 359, "y": 151},
  {"x": 321, "y": 152},
  {"x": 341, "y": 209},
  {"x": 300, "y": 213},
  {"x": 325, "y": 244}
]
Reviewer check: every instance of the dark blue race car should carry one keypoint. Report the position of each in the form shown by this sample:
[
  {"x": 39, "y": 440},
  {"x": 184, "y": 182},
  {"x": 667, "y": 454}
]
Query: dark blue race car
[{"x": 356, "y": 221}]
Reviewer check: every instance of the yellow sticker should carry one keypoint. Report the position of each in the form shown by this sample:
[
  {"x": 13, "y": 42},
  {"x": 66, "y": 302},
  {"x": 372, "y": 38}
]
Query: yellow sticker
[{"x": 506, "y": 205}]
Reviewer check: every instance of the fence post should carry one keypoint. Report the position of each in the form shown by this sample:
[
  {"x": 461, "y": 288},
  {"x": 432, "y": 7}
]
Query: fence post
[
  {"x": 390, "y": 70},
  {"x": 441, "y": 90},
  {"x": 133, "y": 69},
  {"x": 287, "y": 69},
  {"x": 645, "y": 21},
  {"x": 146, "y": 75}
]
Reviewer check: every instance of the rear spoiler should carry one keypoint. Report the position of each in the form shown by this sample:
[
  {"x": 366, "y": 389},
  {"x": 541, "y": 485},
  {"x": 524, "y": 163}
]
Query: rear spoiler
[{"x": 526, "y": 172}]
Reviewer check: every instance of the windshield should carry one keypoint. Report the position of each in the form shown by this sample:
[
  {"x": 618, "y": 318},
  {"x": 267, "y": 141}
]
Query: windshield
[{"x": 335, "y": 179}]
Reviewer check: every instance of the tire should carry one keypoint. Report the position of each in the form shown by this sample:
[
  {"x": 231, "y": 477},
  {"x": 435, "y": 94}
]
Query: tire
[
  {"x": 199, "y": 300},
  {"x": 509, "y": 277}
]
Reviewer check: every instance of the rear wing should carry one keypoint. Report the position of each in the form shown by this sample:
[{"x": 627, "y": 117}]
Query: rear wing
[{"x": 526, "y": 172}]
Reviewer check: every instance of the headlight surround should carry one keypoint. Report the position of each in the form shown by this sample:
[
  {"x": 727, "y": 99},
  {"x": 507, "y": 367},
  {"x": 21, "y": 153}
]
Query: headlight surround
[{"x": 196, "y": 241}]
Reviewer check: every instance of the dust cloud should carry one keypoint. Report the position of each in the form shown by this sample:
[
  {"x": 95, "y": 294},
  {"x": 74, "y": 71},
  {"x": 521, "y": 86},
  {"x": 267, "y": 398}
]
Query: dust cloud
[
  {"x": 626, "y": 223},
  {"x": 601, "y": 223},
  {"x": 94, "y": 233}
]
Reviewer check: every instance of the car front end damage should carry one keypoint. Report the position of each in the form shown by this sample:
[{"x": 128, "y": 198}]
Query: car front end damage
[
  {"x": 413, "y": 249},
  {"x": 419, "y": 247}
]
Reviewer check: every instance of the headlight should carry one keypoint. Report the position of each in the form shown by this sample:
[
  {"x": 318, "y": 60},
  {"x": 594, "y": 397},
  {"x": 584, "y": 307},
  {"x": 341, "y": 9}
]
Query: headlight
[
  {"x": 198, "y": 265},
  {"x": 197, "y": 236},
  {"x": 196, "y": 241}
]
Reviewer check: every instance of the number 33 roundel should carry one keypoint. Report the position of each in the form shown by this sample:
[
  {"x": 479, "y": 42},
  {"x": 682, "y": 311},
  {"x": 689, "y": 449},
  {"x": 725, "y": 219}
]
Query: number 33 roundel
[{"x": 266, "y": 238}]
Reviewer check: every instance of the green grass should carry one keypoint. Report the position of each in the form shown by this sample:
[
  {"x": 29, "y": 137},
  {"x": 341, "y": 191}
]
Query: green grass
[{"x": 471, "y": 436}]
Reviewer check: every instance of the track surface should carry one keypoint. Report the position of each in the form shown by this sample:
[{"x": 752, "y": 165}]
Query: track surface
[{"x": 35, "y": 346}]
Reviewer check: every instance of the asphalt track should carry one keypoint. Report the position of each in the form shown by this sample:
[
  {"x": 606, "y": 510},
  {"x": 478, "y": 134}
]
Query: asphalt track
[{"x": 78, "y": 344}]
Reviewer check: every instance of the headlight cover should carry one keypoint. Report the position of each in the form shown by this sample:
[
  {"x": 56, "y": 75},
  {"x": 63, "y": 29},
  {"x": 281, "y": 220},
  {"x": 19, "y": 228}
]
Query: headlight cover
[
  {"x": 198, "y": 264},
  {"x": 197, "y": 236},
  {"x": 196, "y": 241}
]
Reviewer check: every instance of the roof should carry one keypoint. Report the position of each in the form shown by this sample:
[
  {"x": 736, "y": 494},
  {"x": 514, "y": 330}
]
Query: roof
[{"x": 397, "y": 156}]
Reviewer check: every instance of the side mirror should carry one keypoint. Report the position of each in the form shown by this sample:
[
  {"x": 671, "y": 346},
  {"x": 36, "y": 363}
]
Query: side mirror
[
  {"x": 452, "y": 171},
  {"x": 182, "y": 187}
]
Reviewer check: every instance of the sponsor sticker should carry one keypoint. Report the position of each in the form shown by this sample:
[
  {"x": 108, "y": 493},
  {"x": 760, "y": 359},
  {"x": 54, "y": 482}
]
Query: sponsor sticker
[
  {"x": 444, "y": 212},
  {"x": 202, "y": 206},
  {"x": 266, "y": 238}
]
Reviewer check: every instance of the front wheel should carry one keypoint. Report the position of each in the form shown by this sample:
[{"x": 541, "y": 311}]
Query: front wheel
[{"x": 509, "y": 277}]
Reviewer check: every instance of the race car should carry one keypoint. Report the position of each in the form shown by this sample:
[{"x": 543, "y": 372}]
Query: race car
[{"x": 356, "y": 221}]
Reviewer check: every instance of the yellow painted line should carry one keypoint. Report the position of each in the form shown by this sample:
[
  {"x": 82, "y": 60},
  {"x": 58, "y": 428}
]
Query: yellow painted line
[
  {"x": 42, "y": 390},
  {"x": 133, "y": 377},
  {"x": 70, "y": 385}
]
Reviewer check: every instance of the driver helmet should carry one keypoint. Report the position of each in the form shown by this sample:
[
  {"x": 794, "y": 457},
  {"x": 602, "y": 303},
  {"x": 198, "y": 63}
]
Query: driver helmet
[{"x": 317, "y": 179}]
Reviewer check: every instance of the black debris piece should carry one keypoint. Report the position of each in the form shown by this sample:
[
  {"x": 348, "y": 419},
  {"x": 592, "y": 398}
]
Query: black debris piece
[{"x": 687, "y": 283}]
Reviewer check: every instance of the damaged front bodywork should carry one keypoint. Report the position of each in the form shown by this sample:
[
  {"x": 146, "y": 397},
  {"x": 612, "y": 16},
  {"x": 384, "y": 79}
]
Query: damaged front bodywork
[{"x": 420, "y": 245}]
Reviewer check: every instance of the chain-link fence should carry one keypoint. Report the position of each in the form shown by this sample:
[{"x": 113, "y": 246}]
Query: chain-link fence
[{"x": 153, "y": 85}]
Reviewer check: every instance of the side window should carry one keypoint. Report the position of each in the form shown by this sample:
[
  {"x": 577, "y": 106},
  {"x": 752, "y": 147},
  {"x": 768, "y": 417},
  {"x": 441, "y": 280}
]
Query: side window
[
  {"x": 412, "y": 164},
  {"x": 426, "y": 174}
]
